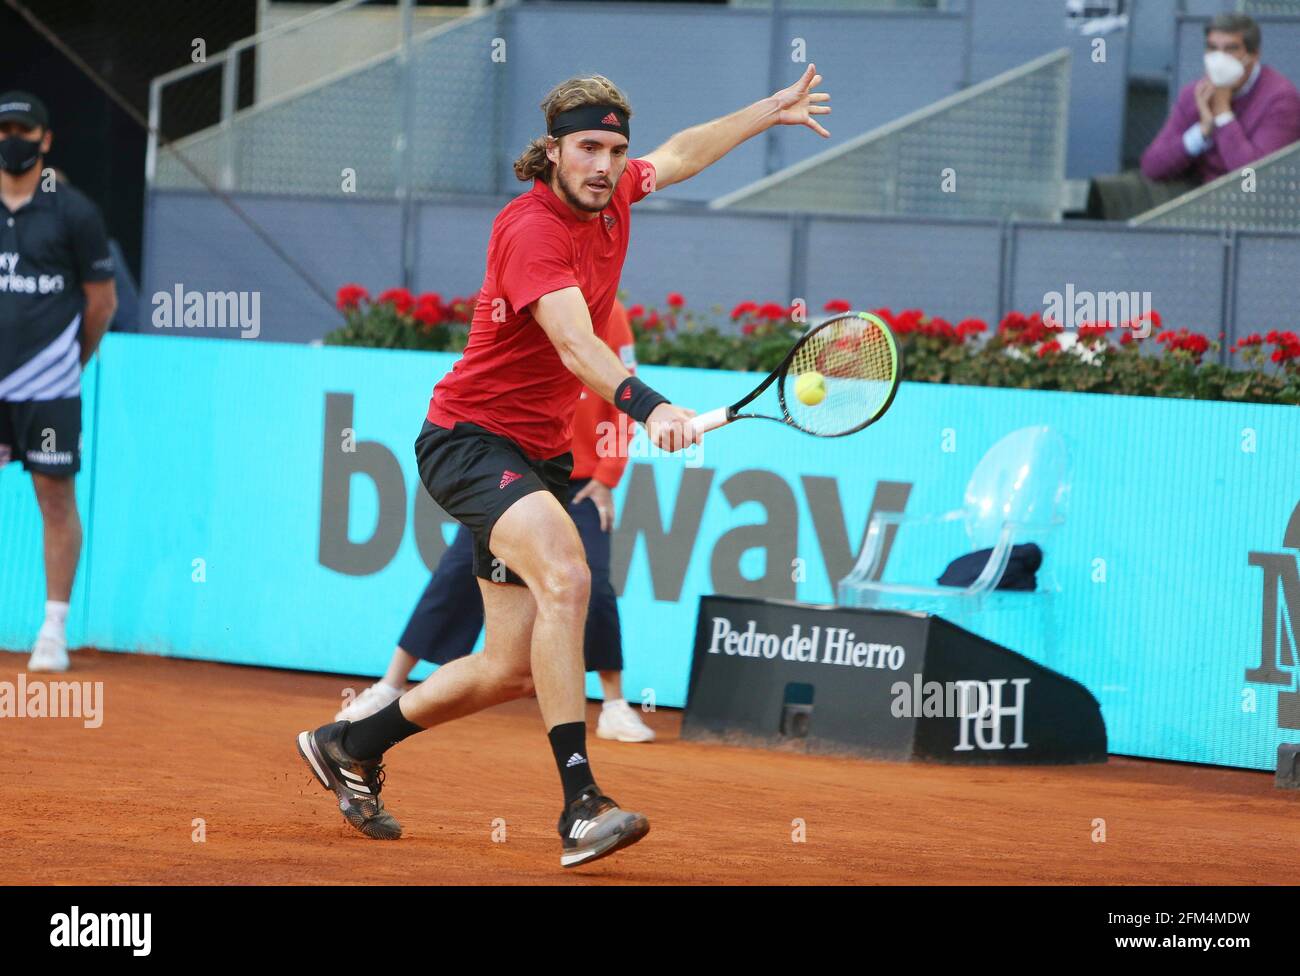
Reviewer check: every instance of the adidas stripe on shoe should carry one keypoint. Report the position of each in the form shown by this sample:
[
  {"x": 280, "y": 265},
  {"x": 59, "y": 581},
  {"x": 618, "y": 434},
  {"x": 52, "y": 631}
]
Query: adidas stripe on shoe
[
  {"x": 355, "y": 782},
  {"x": 593, "y": 827}
]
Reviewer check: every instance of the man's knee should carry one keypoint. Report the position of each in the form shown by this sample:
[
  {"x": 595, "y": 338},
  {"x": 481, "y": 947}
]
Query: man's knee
[
  {"x": 565, "y": 584},
  {"x": 512, "y": 682},
  {"x": 56, "y": 497}
]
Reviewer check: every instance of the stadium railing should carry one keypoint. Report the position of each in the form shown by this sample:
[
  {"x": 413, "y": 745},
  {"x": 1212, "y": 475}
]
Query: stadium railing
[
  {"x": 850, "y": 4},
  {"x": 1254, "y": 7},
  {"x": 914, "y": 165},
  {"x": 1262, "y": 196},
  {"x": 303, "y": 142}
]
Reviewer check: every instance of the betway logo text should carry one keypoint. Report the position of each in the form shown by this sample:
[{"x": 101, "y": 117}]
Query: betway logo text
[
  {"x": 833, "y": 645},
  {"x": 666, "y": 526}
]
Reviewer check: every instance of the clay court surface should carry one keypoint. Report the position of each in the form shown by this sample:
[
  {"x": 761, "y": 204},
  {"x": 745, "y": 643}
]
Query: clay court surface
[{"x": 182, "y": 740}]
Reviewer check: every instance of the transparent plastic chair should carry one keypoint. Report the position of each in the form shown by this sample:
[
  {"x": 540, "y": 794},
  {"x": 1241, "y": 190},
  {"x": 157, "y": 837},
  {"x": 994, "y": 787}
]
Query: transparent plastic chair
[{"x": 1018, "y": 493}]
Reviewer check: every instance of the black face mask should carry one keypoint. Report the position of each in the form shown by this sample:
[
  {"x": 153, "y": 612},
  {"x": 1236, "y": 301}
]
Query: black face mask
[{"x": 18, "y": 155}]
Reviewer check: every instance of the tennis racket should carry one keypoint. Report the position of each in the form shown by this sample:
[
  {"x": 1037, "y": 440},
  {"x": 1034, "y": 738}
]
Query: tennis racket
[{"x": 860, "y": 364}]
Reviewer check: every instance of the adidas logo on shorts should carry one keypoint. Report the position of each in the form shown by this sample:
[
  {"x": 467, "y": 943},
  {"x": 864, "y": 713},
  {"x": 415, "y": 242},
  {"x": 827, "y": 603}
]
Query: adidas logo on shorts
[{"x": 508, "y": 477}]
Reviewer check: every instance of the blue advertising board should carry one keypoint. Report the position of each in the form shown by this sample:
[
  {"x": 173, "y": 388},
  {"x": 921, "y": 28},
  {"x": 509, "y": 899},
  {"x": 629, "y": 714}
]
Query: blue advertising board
[{"x": 259, "y": 504}]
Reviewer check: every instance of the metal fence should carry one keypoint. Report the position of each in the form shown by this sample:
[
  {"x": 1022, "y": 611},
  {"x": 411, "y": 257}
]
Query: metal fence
[
  {"x": 1253, "y": 7},
  {"x": 670, "y": 51},
  {"x": 1262, "y": 196},
  {"x": 952, "y": 158},
  {"x": 345, "y": 133},
  {"x": 846, "y": 4},
  {"x": 1204, "y": 280}
]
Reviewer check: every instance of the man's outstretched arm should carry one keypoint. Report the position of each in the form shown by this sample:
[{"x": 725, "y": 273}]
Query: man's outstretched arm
[
  {"x": 691, "y": 150},
  {"x": 564, "y": 317}
]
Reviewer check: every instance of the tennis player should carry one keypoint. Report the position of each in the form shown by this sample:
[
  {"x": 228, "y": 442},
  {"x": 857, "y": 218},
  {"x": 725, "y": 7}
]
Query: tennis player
[
  {"x": 446, "y": 621},
  {"x": 494, "y": 449}
]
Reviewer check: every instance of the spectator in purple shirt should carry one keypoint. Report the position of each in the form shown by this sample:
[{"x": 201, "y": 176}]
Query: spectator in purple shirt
[{"x": 1241, "y": 111}]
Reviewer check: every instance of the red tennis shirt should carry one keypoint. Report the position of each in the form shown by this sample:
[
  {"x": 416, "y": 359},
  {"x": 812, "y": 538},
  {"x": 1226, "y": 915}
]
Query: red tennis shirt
[{"x": 510, "y": 379}]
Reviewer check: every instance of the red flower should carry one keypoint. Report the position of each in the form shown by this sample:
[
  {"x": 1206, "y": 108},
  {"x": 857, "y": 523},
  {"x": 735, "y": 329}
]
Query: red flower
[
  {"x": 1047, "y": 347},
  {"x": 1126, "y": 339},
  {"x": 773, "y": 312},
  {"x": 969, "y": 327},
  {"x": 748, "y": 328},
  {"x": 940, "y": 329},
  {"x": 652, "y": 323},
  {"x": 1254, "y": 339},
  {"x": 636, "y": 312},
  {"x": 1094, "y": 329},
  {"x": 429, "y": 310},
  {"x": 906, "y": 322},
  {"x": 1012, "y": 322},
  {"x": 399, "y": 298},
  {"x": 837, "y": 305},
  {"x": 744, "y": 308},
  {"x": 350, "y": 296},
  {"x": 675, "y": 300},
  {"x": 1185, "y": 340}
]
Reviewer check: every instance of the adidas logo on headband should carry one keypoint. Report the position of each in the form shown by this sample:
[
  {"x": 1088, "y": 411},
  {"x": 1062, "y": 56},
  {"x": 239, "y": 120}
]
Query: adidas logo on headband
[{"x": 610, "y": 118}]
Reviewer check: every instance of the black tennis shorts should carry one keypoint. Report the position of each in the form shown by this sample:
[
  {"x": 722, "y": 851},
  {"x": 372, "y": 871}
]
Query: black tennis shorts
[
  {"x": 475, "y": 475},
  {"x": 45, "y": 435}
]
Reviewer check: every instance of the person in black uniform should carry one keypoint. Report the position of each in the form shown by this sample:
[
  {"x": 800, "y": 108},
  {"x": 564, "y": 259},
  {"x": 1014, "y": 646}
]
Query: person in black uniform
[{"x": 56, "y": 300}]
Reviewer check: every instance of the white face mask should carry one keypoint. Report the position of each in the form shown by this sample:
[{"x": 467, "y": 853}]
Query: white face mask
[{"x": 1224, "y": 70}]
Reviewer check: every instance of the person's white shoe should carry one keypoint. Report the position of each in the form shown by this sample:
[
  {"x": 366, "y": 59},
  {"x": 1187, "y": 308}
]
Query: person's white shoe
[
  {"x": 371, "y": 700},
  {"x": 49, "y": 654},
  {"x": 619, "y": 721}
]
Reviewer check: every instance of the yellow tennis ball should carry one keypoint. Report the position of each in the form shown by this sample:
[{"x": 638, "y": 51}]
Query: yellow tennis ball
[{"x": 810, "y": 388}]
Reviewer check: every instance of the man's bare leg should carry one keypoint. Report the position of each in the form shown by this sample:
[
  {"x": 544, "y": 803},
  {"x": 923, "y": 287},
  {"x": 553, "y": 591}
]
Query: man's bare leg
[
  {"x": 399, "y": 668},
  {"x": 611, "y": 684},
  {"x": 57, "y": 499},
  {"x": 536, "y": 538},
  {"x": 499, "y": 674}
]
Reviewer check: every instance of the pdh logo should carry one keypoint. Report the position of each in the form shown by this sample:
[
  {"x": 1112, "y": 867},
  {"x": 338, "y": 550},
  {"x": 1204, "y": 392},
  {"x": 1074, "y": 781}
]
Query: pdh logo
[
  {"x": 987, "y": 720},
  {"x": 1277, "y": 645}
]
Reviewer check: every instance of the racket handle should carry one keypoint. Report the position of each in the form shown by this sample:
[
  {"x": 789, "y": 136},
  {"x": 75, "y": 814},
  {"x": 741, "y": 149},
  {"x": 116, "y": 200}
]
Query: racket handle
[{"x": 711, "y": 420}]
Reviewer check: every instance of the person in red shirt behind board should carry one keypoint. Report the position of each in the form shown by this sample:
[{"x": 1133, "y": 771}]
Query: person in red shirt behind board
[
  {"x": 449, "y": 615},
  {"x": 494, "y": 449}
]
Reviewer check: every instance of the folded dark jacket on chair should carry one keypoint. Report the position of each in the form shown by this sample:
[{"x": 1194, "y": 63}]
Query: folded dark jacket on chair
[{"x": 1020, "y": 574}]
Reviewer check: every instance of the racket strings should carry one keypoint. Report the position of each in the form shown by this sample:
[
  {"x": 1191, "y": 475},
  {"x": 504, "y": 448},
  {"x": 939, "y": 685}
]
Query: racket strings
[{"x": 858, "y": 365}]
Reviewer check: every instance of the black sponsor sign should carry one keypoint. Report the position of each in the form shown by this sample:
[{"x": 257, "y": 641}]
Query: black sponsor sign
[{"x": 879, "y": 683}]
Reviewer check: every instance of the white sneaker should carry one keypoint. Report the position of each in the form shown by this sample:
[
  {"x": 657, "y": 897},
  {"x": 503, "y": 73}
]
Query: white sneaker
[
  {"x": 49, "y": 654},
  {"x": 619, "y": 721},
  {"x": 371, "y": 700}
]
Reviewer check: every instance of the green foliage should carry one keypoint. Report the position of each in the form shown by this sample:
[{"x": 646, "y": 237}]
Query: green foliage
[{"x": 1025, "y": 352}]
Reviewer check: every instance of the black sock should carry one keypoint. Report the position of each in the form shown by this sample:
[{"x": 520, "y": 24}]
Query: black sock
[
  {"x": 569, "y": 743},
  {"x": 371, "y": 737}
]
